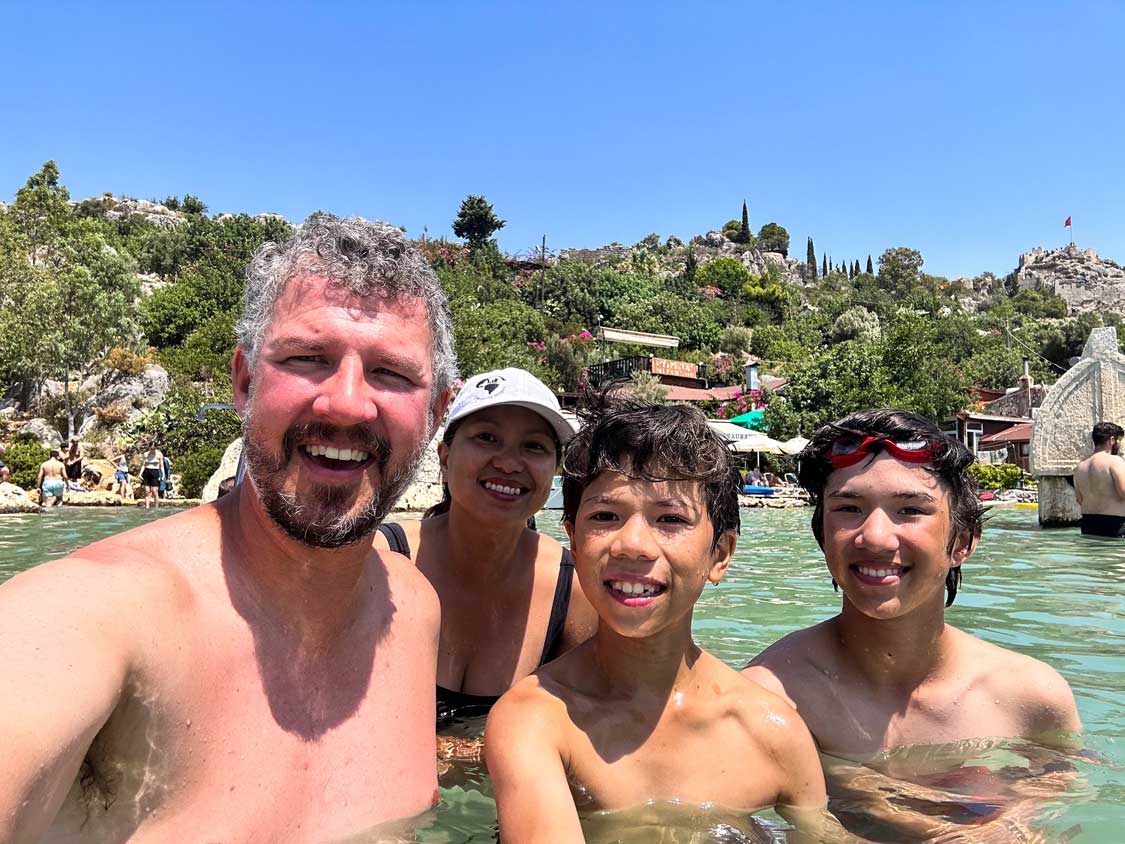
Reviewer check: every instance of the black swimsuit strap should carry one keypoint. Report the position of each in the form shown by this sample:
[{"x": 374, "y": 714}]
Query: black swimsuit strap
[
  {"x": 396, "y": 538},
  {"x": 559, "y": 607}
]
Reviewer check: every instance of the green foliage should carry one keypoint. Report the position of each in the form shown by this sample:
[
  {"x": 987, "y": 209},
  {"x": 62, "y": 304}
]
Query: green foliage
[
  {"x": 744, "y": 233},
  {"x": 727, "y": 274},
  {"x": 196, "y": 468},
  {"x": 773, "y": 238},
  {"x": 176, "y": 430},
  {"x": 495, "y": 335},
  {"x": 857, "y": 323},
  {"x": 735, "y": 339},
  {"x": 810, "y": 259},
  {"x": 691, "y": 266},
  {"x": 646, "y": 387},
  {"x": 1039, "y": 304},
  {"x": 192, "y": 205},
  {"x": 870, "y": 266},
  {"x": 996, "y": 477},
  {"x": 900, "y": 270},
  {"x": 23, "y": 458},
  {"x": 124, "y": 361},
  {"x": 732, "y": 230},
  {"x": 994, "y": 368},
  {"x": 476, "y": 222}
]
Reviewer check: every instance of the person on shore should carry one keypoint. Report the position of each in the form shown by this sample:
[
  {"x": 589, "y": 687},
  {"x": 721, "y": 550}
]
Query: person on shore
[
  {"x": 121, "y": 476},
  {"x": 5, "y": 472},
  {"x": 51, "y": 480},
  {"x": 152, "y": 475},
  {"x": 897, "y": 515},
  {"x": 639, "y": 713},
  {"x": 509, "y": 598},
  {"x": 73, "y": 461},
  {"x": 166, "y": 476},
  {"x": 1099, "y": 483},
  {"x": 252, "y": 669}
]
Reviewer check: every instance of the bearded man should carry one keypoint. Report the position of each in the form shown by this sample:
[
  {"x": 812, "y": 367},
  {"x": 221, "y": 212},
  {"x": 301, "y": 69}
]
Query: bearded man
[{"x": 252, "y": 669}]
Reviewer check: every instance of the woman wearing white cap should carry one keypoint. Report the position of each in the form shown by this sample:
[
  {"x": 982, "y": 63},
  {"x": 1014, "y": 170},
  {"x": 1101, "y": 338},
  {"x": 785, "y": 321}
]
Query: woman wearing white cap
[{"x": 509, "y": 598}]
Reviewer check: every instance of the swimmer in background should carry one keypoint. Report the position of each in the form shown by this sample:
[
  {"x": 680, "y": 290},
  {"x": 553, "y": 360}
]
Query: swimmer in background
[
  {"x": 896, "y": 516},
  {"x": 639, "y": 712},
  {"x": 1099, "y": 483}
]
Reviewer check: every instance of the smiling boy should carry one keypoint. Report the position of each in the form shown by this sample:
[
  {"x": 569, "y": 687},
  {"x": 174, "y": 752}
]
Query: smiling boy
[
  {"x": 897, "y": 515},
  {"x": 639, "y": 712}
]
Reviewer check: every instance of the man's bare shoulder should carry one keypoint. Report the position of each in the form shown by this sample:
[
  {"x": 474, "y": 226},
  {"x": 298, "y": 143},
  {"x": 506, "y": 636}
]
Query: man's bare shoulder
[
  {"x": 1031, "y": 688},
  {"x": 792, "y": 662},
  {"x": 406, "y": 582},
  {"x": 121, "y": 575}
]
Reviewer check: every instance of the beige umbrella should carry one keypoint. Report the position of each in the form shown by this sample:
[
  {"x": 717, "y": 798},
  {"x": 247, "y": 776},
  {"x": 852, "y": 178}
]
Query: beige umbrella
[{"x": 795, "y": 445}]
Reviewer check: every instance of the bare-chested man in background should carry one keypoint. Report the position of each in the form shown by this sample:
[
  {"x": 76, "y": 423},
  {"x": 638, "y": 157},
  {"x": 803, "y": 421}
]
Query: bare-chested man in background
[
  {"x": 1099, "y": 484},
  {"x": 252, "y": 670}
]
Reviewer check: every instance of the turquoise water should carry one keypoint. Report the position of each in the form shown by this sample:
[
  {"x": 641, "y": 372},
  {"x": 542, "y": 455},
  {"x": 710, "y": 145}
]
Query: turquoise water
[{"x": 1051, "y": 594}]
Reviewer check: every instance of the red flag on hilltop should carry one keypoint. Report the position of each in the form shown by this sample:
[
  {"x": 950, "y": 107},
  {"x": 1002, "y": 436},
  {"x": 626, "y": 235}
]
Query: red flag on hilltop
[{"x": 1067, "y": 223}]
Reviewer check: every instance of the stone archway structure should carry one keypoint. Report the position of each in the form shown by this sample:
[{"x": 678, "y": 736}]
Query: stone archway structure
[{"x": 1092, "y": 391}]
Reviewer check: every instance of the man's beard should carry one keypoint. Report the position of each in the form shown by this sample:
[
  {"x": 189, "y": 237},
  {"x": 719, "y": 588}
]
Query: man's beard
[{"x": 326, "y": 521}]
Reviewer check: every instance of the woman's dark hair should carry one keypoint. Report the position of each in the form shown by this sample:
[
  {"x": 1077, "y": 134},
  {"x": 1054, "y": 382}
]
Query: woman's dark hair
[
  {"x": 949, "y": 464},
  {"x": 446, "y": 500},
  {"x": 650, "y": 442}
]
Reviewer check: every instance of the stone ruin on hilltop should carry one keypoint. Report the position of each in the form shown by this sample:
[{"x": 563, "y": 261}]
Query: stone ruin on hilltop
[{"x": 1085, "y": 281}]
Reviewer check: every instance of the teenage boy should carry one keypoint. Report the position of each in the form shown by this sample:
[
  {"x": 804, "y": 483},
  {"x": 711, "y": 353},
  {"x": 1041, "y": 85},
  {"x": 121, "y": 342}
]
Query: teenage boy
[
  {"x": 897, "y": 515},
  {"x": 639, "y": 712}
]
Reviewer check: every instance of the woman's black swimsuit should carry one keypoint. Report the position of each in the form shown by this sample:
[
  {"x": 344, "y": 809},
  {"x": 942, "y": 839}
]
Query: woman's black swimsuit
[{"x": 454, "y": 706}]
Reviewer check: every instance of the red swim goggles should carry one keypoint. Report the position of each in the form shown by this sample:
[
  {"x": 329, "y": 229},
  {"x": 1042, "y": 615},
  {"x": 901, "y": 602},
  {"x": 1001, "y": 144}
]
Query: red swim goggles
[{"x": 847, "y": 451}]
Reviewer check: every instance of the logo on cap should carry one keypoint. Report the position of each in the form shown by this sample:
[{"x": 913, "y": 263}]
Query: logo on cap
[{"x": 492, "y": 386}]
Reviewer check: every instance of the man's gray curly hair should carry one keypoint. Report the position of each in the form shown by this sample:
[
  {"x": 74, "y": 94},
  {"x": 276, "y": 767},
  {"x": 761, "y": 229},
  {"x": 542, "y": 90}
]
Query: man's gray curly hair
[{"x": 369, "y": 259}]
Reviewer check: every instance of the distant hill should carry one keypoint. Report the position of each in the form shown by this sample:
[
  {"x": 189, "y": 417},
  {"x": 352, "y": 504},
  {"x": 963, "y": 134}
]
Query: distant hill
[{"x": 1087, "y": 283}]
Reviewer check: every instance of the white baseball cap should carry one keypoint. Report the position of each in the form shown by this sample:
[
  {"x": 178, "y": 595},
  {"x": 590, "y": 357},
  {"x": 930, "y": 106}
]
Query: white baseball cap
[{"x": 510, "y": 386}]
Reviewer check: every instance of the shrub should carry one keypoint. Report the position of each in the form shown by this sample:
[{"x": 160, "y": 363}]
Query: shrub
[
  {"x": 999, "y": 476},
  {"x": 196, "y": 468},
  {"x": 113, "y": 414},
  {"x": 23, "y": 457},
  {"x": 124, "y": 361}
]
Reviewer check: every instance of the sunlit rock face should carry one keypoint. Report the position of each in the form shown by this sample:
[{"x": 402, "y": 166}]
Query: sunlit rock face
[{"x": 1085, "y": 281}]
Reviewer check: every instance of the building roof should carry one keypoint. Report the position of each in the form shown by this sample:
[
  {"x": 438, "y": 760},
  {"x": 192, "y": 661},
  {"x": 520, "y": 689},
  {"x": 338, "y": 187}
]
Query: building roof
[
  {"x": 990, "y": 417},
  {"x": 1016, "y": 434}
]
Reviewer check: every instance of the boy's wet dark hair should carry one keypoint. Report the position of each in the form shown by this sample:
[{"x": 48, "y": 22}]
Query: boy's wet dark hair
[
  {"x": 950, "y": 461},
  {"x": 1105, "y": 431},
  {"x": 650, "y": 442}
]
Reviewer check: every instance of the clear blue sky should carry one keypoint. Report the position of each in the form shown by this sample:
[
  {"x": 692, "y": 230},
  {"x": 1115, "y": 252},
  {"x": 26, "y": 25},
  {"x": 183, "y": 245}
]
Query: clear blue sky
[{"x": 968, "y": 130}]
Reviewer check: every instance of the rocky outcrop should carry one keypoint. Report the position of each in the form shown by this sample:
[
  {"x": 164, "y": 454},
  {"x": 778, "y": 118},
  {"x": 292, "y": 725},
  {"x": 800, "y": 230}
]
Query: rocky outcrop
[
  {"x": 1085, "y": 281},
  {"x": 43, "y": 431},
  {"x": 13, "y": 499},
  {"x": 99, "y": 474},
  {"x": 228, "y": 468},
  {"x": 122, "y": 208},
  {"x": 122, "y": 398}
]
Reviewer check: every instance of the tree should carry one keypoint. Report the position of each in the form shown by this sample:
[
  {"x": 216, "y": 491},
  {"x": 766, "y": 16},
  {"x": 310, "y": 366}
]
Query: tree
[
  {"x": 857, "y": 323},
  {"x": 744, "y": 228},
  {"x": 727, "y": 274},
  {"x": 691, "y": 266},
  {"x": 810, "y": 259},
  {"x": 476, "y": 222},
  {"x": 646, "y": 387},
  {"x": 824, "y": 265},
  {"x": 900, "y": 270},
  {"x": 732, "y": 230},
  {"x": 855, "y": 268},
  {"x": 67, "y": 294},
  {"x": 193, "y": 205},
  {"x": 773, "y": 238}
]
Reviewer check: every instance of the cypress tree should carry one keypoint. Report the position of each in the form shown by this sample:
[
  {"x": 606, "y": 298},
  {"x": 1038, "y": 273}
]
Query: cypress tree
[
  {"x": 744, "y": 232},
  {"x": 690, "y": 266},
  {"x": 855, "y": 269},
  {"x": 824, "y": 264},
  {"x": 810, "y": 260},
  {"x": 870, "y": 267}
]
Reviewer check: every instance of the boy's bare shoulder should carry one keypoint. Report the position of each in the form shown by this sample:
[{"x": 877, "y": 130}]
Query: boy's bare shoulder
[
  {"x": 794, "y": 662},
  {"x": 762, "y": 712},
  {"x": 1030, "y": 687}
]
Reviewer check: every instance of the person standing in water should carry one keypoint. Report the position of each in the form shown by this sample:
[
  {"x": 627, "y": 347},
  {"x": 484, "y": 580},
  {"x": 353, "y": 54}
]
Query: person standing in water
[
  {"x": 152, "y": 474},
  {"x": 509, "y": 598},
  {"x": 897, "y": 516},
  {"x": 1099, "y": 483},
  {"x": 73, "y": 460},
  {"x": 251, "y": 669},
  {"x": 639, "y": 713},
  {"x": 51, "y": 480}
]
